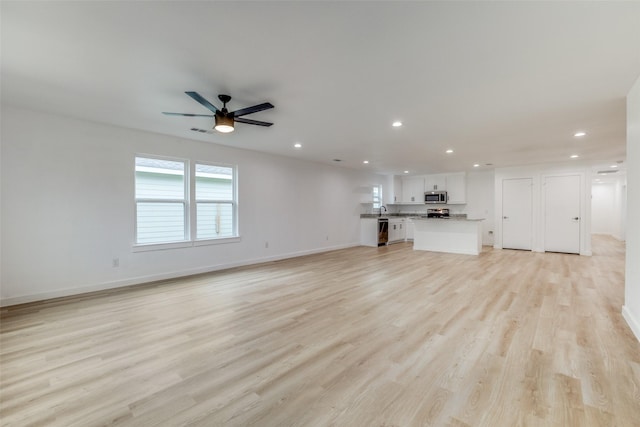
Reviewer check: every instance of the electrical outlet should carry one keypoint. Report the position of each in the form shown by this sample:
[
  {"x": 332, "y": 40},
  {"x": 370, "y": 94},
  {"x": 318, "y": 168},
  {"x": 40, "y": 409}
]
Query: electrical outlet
[
  {"x": 115, "y": 262},
  {"x": 266, "y": 245}
]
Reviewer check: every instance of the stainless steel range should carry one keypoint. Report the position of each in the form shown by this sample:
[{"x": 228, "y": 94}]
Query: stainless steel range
[{"x": 438, "y": 213}]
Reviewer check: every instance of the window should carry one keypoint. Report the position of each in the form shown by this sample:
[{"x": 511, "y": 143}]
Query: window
[
  {"x": 215, "y": 205},
  {"x": 377, "y": 196},
  {"x": 165, "y": 192},
  {"x": 161, "y": 203}
]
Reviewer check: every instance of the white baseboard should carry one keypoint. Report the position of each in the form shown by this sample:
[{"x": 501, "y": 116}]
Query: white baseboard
[
  {"x": 632, "y": 321},
  {"x": 5, "y": 302}
]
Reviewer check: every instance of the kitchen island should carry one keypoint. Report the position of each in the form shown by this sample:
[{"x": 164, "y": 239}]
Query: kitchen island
[{"x": 453, "y": 235}]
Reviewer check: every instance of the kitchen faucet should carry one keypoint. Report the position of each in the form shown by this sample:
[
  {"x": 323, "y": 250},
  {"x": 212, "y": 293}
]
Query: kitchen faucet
[{"x": 382, "y": 207}]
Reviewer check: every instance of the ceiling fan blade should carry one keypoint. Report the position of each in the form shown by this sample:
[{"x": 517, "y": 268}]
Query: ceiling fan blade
[
  {"x": 251, "y": 122},
  {"x": 197, "y": 97},
  {"x": 187, "y": 114},
  {"x": 254, "y": 109}
]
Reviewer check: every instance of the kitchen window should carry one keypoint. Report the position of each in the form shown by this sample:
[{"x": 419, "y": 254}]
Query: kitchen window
[
  {"x": 177, "y": 205},
  {"x": 377, "y": 196}
]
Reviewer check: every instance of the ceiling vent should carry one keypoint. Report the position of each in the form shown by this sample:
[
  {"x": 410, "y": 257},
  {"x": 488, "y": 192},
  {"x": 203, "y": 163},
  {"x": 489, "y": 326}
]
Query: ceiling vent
[{"x": 606, "y": 172}]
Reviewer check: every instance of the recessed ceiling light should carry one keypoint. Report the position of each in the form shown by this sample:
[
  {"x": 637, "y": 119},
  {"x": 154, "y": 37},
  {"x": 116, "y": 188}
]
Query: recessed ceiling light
[
  {"x": 396, "y": 124},
  {"x": 449, "y": 151},
  {"x": 406, "y": 171},
  {"x": 476, "y": 165},
  {"x": 365, "y": 162},
  {"x": 614, "y": 166},
  {"x": 297, "y": 145},
  {"x": 579, "y": 134},
  {"x": 574, "y": 156}
]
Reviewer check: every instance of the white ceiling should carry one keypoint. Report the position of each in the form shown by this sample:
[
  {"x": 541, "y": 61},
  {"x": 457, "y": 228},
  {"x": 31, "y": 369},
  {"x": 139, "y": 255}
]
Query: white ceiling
[{"x": 506, "y": 83}]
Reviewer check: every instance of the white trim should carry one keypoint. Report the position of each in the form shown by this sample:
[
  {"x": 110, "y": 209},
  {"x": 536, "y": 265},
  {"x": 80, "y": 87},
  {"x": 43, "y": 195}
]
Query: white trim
[
  {"x": 161, "y": 246},
  {"x": 185, "y": 244},
  {"x": 633, "y": 323},
  {"x": 163, "y": 276},
  {"x": 219, "y": 241}
]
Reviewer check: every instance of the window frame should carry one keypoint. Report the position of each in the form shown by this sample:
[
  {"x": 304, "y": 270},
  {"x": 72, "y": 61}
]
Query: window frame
[
  {"x": 190, "y": 207},
  {"x": 376, "y": 200},
  {"x": 233, "y": 202}
]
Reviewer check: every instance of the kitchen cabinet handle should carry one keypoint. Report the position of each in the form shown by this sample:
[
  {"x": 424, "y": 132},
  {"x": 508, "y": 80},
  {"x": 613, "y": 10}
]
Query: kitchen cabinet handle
[
  {"x": 576, "y": 218},
  {"x": 505, "y": 217}
]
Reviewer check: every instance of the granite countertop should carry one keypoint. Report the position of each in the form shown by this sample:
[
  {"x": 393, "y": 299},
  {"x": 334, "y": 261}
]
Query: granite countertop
[
  {"x": 451, "y": 218},
  {"x": 455, "y": 217}
]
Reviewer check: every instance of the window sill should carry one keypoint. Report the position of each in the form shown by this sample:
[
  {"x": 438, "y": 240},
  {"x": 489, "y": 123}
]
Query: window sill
[
  {"x": 181, "y": 245},
  {"x": 219, "y": 241}
]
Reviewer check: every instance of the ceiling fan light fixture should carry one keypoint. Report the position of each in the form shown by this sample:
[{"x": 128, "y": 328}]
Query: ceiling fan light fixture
[{"x": 224, "y": 124}]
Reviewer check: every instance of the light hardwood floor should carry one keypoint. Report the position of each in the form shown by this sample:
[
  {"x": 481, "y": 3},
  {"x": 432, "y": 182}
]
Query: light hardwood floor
[{"x": 356, "y": 337}]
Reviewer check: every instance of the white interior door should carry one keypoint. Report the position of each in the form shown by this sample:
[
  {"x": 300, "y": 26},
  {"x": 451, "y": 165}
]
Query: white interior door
[
  {"x": 562, "y": 214},
  {"x": 517, "y": 213}
]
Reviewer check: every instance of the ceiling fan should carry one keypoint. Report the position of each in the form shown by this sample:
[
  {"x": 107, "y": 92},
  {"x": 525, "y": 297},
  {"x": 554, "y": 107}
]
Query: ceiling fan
[{"x": 225, "y": 119}]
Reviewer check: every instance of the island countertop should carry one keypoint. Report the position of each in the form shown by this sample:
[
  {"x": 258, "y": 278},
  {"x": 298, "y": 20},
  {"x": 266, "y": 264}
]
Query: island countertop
[{"x": 451, "y": 218}]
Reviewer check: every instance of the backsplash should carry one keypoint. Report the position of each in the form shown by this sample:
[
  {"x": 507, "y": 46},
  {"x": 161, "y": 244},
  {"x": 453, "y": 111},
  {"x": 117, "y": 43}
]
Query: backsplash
[{"x": 413, "y": 209}]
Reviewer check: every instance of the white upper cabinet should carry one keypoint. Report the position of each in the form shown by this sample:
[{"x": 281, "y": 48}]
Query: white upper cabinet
[
  {"x": 456, "y": 185},
  {"x": 413, "y": 189},
  {"x": 435, "y": 182},
  {"x": 397, "y": 189}
]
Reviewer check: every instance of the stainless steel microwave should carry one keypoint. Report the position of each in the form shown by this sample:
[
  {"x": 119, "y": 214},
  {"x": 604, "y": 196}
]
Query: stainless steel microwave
[{"x": 435, "y": 197}]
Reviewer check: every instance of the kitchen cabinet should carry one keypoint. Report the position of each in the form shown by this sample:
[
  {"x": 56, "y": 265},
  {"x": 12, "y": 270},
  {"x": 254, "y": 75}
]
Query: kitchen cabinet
[
  {"x": 413, "y": 190},
  {"x": 451, "y": 235},
  {"x": 408, "y": 229},
  {"x": 396, "y": 230},
  {"x": 365, "y": 194},
  {"x": 397, "y": 189},
  {"x": 456, "y": 185},
  {"x": 436, "y": 182}
]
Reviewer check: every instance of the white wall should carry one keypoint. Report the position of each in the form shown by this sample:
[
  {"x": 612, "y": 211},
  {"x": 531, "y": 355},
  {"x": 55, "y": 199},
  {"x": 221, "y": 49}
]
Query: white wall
[
  {"x": 607, "y": 208},
  {"x": 480, "y": 202},
  {"x": 603, "y": 209},
  {"x": 68, "y": 207},
  {"x": 631, "y": 309},
  {"x": 538, "y": 173}
]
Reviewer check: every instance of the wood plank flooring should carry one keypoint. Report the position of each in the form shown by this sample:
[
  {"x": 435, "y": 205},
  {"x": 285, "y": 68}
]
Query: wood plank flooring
[{"x": 356, "y": 337}]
